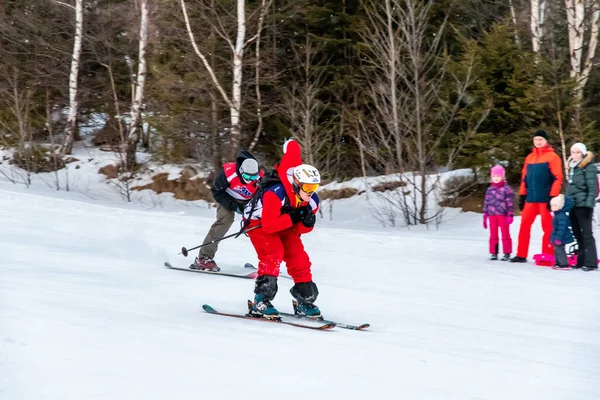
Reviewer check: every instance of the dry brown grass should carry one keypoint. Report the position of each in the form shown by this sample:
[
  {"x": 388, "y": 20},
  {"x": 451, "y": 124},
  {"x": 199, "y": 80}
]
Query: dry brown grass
[
  {"x": 185, "y": 187},
  {"x": 385, "y": 186},
  {"x": 111, "y": 171},
  {"x": 345, "y": 193}
]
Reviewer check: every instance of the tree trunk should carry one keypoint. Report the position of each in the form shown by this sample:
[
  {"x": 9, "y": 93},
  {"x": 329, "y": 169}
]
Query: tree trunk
[
  {"x": 71, "y": 127},
  {"x": 538, "y": 13},
  {"x": 576, "y": 22},
  {"x": 236, "y": 89},
  {"x": 116, "y": 101},
  {"x": 513, "y": 16},
  {"x": 136, "y": 114},
  {"x": 591, "y": 52},
  {"x": 263, "y": 12}
]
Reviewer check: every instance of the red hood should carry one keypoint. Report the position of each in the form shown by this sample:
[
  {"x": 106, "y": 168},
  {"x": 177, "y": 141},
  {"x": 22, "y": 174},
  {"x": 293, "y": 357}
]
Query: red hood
[{"x": 291, "y": 158}]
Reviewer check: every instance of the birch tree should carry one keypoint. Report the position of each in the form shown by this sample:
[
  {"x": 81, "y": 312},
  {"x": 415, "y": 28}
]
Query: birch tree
[
  {"x": 416, "y": 98},
  {"x": 133, "y": 135},
  {"x": 538, "y": 16},
  {"x": 238, "y": 47},
  {"x": 70, "y": 129},
  {"x": 513, "y": 16},
  {"x": 583, "y": 23}
]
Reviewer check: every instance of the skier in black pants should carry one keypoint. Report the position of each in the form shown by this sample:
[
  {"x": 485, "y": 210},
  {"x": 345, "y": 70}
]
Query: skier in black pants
[{"x": 583, "y": 188}]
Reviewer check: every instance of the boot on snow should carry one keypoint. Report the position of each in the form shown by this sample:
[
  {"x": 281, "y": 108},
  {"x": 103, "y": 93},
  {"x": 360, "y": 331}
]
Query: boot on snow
[
  {"x": 517, "y": 259},
  {"x": 262, "y": 308},
  {"x": 506, "y": 257},
  {"x": 308, "y": 310},
  {"x": 494, "y": 257},
  {"x": 265, "y": 289},
  {"x": 305, "y": 294},
  {"x": 205, "y": 263}
]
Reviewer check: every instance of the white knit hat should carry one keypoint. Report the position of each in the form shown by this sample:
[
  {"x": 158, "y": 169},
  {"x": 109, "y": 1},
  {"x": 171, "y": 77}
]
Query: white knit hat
[{"x": 581, "y": 147}]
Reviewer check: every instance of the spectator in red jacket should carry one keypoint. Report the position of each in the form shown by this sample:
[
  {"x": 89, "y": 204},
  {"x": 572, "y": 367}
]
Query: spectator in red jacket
[{"x": 541, "y": 180}]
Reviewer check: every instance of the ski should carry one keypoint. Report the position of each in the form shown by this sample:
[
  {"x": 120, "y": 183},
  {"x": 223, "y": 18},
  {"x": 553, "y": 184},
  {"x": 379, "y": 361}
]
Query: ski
[
  {"x": 323, "y": 327},
  {"x": 246, "y": 275},
  {"x": 337, "y": 324},
  {"x": 251, "y": 266}
]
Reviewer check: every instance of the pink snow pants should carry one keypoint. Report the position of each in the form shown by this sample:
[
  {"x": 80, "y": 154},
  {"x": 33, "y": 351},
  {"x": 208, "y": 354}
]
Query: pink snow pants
[{"x": 495, "y": 222}]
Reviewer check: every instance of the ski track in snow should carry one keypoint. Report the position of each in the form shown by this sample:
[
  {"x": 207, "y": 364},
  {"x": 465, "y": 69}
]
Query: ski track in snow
[{"x": 87, "y": 311}]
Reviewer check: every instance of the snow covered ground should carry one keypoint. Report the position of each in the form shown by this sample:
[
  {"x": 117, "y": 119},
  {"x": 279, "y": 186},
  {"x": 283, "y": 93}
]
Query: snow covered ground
[{"x": 87, "y": 311}]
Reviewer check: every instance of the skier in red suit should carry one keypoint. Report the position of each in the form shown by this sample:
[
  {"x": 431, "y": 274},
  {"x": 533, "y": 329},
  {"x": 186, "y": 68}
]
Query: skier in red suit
[
  {"x": 541, "y": 180},
  {"x": 285, "y": 210}
]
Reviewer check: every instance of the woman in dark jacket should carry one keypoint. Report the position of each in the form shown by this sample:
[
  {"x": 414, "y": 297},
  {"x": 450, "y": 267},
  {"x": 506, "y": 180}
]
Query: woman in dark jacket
[{"x": 583, "y": 188}]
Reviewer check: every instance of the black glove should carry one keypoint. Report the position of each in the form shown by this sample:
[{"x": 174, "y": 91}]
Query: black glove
[
  {"x": 309, "y": 219},
  {"x": 296, "y": 214},
  {"x": 522, "y": 202}
]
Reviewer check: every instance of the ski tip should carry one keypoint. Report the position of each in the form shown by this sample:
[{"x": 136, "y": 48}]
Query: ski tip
[
  {"x": 248, "y": 265},
  {"x": 168, "y": 265},
  {"x": 208, "y": 309},
  {"x": 363, "y": 326}
]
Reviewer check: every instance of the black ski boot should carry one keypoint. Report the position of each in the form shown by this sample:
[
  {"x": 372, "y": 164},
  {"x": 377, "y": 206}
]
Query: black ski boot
[
  {"x": 306, "y": 293},
  {"x": 265, "y": 289},
  {"x": 494, "y": 257},
  {"x": 506, "y": 257}
]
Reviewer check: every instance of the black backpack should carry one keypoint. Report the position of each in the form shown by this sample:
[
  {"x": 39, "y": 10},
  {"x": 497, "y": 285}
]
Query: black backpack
[{"x": 269, "y": 179}]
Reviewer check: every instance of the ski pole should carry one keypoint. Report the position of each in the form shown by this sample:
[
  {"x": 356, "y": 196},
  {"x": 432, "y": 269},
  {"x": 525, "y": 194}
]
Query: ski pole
[{"x": 184, "y": 251}]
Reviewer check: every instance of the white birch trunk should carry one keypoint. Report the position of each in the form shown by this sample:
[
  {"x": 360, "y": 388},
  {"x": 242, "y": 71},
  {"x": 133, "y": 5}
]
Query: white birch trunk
[
  {"x": 591, "y": 52},
  {"x": 576, "y": 18},
  {"x": 535, "y": 26},
  {"x": 67, "y": 146},
  {"x": 538, "y": 15},
  {"x": 236, "y": 89},
  {"x": 138, "y": 96},
  {"x": 513, "y": 15},
  {"x": 263, "y": 12}
]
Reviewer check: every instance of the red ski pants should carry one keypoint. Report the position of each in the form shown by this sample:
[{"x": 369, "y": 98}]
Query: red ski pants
[
  {"x": 528, "y": 216},
  {"x": 273, "y": 248},
  {"x": 499, "y": 222}
]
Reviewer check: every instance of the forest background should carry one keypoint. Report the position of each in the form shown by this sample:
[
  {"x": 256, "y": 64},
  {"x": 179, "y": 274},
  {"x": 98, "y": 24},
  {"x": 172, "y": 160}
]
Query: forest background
[{"x": 368, "y": 87}]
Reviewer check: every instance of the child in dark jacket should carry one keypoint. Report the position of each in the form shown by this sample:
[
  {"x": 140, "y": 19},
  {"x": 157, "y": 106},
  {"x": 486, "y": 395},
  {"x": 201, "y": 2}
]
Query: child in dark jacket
[
  {"x": 499, "y": 210},
  {"x": 561, "y": 229}
]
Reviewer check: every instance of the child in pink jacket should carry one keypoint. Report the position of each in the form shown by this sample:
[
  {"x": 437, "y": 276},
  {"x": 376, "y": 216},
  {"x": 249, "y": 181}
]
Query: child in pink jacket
[{"x": 499, "y": 210}]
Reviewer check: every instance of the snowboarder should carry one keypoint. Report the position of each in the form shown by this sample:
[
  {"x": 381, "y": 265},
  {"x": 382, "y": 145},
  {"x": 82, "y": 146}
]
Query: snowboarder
[
  {"x": 583, "y": 187},
  {"x": 541, "y": 179},
  {"x": 498, "y": 209},
  {"x": 232, "y": 188},
  {"x": 561, "y": 229},
  {"x": 285, "y": 210}
]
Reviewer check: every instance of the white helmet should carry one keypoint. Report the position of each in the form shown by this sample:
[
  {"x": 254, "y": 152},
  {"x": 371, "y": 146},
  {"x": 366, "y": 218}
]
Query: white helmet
[{"x": 306, "y": 178}]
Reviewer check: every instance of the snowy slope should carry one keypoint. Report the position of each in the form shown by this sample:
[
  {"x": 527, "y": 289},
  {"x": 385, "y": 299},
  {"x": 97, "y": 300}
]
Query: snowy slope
[{"x": 88, "y": 312}]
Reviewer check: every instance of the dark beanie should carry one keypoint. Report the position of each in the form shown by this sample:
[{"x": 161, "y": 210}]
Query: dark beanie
[{"x": 541, "y": 133}]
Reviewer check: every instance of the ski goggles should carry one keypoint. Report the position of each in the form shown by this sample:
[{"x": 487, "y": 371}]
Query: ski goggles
[
  {"x": 308, "y": 188},
  {"x": 250, "y": 178}
]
